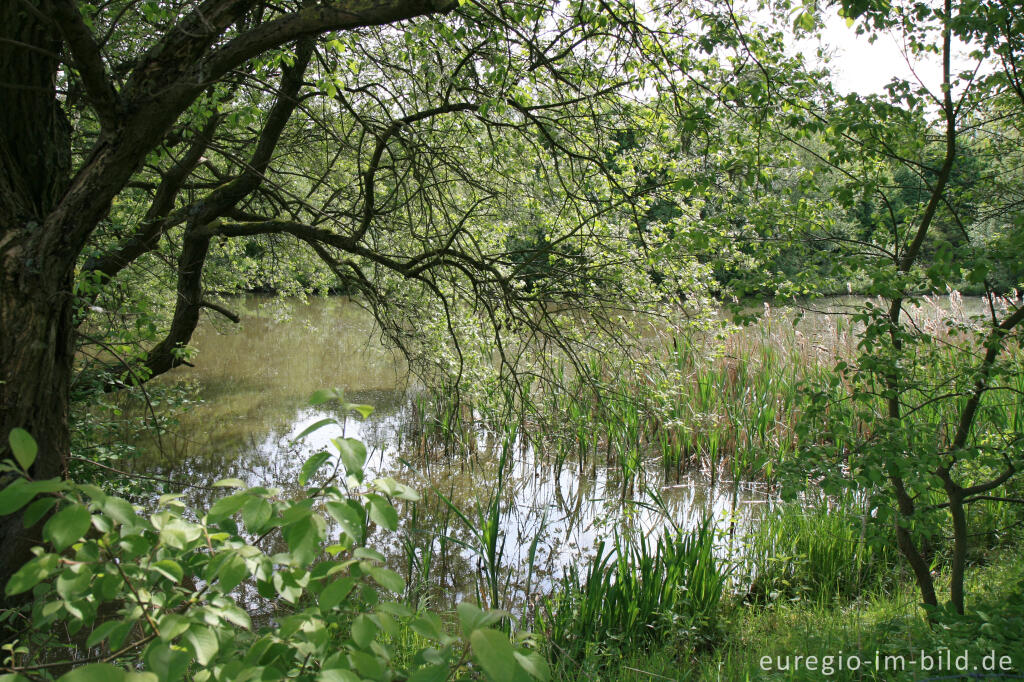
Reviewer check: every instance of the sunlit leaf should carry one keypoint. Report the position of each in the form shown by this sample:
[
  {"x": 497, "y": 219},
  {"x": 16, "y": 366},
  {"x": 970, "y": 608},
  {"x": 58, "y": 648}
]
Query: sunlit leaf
[{"x": 67, "y": 526}]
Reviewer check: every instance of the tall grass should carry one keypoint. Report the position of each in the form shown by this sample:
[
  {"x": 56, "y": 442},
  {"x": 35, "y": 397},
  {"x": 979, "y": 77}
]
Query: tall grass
[
  {"x": 728, "y": 401},
  {"x": 635, "y": 593},
  {"x": 724, "y": 402},
  {"x": 826, "y": 551}
]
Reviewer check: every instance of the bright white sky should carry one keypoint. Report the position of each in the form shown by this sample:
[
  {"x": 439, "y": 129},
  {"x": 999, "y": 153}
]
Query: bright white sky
[{"x": 864, "y": 67}]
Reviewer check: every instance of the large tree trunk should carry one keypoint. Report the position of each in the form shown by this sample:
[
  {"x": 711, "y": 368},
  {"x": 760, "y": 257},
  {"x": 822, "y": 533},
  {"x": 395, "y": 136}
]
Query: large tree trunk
[
  {"x": 35, "y": 285},
  {"x": 36, "y": 350}
]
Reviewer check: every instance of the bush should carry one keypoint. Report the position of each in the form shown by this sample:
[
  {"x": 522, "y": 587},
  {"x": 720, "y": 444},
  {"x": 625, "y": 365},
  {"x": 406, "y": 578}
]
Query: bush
[{"x": 118, "y": 594}]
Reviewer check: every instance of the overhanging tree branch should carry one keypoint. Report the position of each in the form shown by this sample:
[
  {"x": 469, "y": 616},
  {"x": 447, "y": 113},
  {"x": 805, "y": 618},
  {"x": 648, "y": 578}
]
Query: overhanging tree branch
[{"x": 87, "y": 59}]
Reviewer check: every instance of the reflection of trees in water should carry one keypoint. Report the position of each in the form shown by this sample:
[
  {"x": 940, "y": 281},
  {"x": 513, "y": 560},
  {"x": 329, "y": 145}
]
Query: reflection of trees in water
[
  {"x": 197, "y": 454},
  {"x": 559, "y": 512}
]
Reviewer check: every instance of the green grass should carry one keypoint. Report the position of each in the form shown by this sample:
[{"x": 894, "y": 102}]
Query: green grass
[
  {"x": 636, "y": 594},
  {"x": 821, "y": 551},
  {"x": 889, "y": 622}
]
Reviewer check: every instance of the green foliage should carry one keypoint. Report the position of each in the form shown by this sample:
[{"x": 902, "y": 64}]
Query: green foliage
[
  {"x": 24, "y": 448},
  {"x": 995, "y": 623},
  {"x": 636, "y": 595},
  {"x": 167, "y": 594},
  {"x": 915, "y": 197},
  {"x": 822, "y": 551}
]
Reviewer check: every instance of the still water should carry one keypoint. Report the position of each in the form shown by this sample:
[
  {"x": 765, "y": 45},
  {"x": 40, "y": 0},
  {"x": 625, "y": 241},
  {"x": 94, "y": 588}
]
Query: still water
[{"x": 254, "y": 380}]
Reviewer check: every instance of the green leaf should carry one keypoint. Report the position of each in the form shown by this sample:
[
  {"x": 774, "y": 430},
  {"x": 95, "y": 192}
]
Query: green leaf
[
  {"x": 316, "y": 426},
  {"x": 94, "y": 672},
  {"x": 71, "y": 585},
  {"x": 534, "y": 664},
  {"x": 368, "y": 553},
  {"x": 120, "y": 633},
  {"x": 472, "y": 617},
  {"x": 804, "y": 20},
  {"x": 429, "y": 625},
  {"x": 204, "y": 643},
  {"x": 334, "y": 593},
  {"x": 395, "y": 608},
  {"x": 179, "y": 533},
  {"x": 167, "y": 662},
  {"x": 229, "y": 483},
  {"x": 171, "y": 625},
  {"x": 232, "y": 572},
  {"x": 387, "y": 579},
  {"x": 38, "y": 510},
  {"x": 311, "y": 466},
  {"x": 363, "y": 630},
  {"x": 233, "y": 614},
  {"x": 396, "y": 489},
  {"x": 382, "y": 513},
  {"x": 67, "y": 526},
  {"x": 353, "y": 455},
  {"x": 350, "y": 520},
  {"x": 120, "y": 510},
  {"x": 256, "y": 513},
  {"x": 101, "y": 632},
  {"x": 297, "y": 512},
  {"x": 24, "y": 447},
  {"x": 495, "y": 654},
  {"x": 169, "y": 569},
  {"x": 303, "y": 538},
  {"x": 324, "y": 395},
  {"x": 363, "y": 410},
  {"x": 135, "y": 545},
  {"x": 337, "y": 675},
  {"x": 388, "y": 624},
  {"x": 368, "y": 665},
  {"x": 431, "y": 673},
  {"x": 15, "y": 496},
  {"x": 226, "y": 506},
  {"x": 170, "y": 498}
]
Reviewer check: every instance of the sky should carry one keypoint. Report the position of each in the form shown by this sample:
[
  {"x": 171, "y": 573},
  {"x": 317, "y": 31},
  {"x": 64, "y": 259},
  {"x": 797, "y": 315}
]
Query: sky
[{"x": 864, "y": 67}]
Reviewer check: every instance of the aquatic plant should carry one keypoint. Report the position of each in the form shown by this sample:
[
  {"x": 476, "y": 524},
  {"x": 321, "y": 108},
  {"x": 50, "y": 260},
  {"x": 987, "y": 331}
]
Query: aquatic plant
[
  {"x": 633, "y": 593},
  {"x": 821, "y": 550}
]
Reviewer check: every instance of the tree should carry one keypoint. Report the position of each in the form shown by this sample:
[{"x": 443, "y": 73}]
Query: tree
[
  {"x": 923, "y": 415},
  {"x": 64, "y": 92},
  {"x": 409, "y": 145}
]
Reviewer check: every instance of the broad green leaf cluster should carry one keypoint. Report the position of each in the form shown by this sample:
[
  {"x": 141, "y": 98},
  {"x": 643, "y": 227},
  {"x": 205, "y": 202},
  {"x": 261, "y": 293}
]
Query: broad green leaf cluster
[{"x": 258, "y": 586}]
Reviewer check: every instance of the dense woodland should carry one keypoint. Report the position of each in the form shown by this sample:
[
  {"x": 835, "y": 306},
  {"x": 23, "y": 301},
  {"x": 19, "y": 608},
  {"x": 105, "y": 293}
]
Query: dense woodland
[{"x": 518, "y": 192}]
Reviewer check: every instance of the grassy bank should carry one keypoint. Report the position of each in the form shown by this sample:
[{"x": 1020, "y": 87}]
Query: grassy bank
[{"x": 889, "y": 622}]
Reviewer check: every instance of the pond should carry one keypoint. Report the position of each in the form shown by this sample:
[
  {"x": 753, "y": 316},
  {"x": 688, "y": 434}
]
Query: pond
[{"x": 254, "y": 380}]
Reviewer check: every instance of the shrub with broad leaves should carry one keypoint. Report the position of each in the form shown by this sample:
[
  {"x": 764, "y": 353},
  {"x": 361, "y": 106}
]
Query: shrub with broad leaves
[{"x": 163, "y": 594}]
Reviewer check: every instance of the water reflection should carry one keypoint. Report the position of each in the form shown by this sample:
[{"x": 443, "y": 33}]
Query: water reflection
[{"x": 254, "y": 381}]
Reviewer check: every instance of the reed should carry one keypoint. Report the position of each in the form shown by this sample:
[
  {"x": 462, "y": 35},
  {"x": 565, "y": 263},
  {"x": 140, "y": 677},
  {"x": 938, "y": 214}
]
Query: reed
[
  {"x": 823, "y": 551},
  {"x": 635, "y": 593}
]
